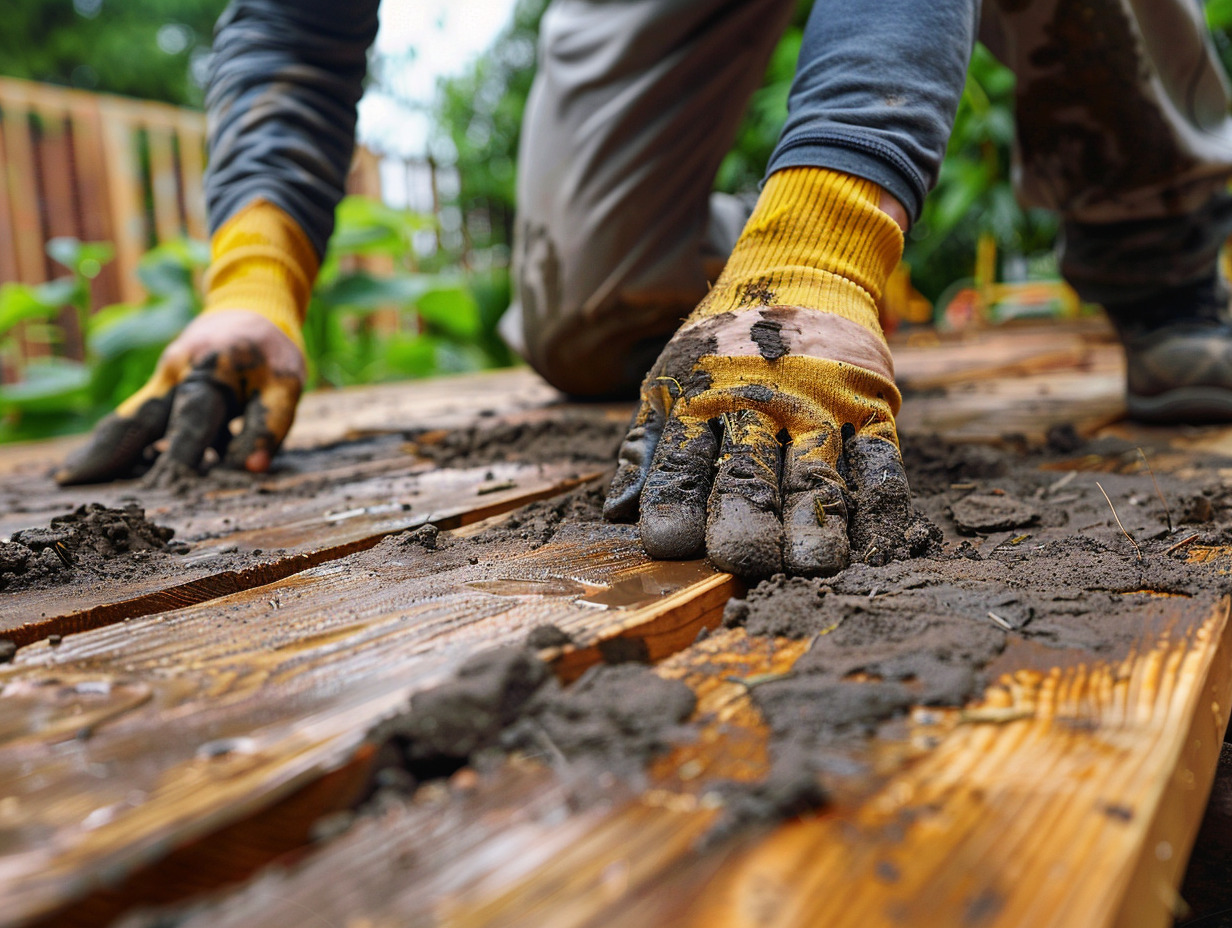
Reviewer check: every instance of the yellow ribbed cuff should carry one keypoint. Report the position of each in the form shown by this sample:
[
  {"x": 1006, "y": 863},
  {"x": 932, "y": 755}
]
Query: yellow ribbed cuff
[
  {"x": 261, "y": 261},
  {"x": 817, "y": 239}
]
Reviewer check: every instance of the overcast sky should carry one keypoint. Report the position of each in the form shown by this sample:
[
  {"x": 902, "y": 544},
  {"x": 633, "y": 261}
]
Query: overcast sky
[{"x": 423, "y": 40}]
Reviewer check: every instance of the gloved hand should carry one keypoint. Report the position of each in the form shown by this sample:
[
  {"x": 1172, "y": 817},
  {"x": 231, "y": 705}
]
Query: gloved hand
[
  {"x": 765, "y": 434},
  {"x": 243, "y": 356}
]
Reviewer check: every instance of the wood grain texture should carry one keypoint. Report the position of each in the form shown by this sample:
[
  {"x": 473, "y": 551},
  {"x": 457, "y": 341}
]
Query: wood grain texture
[
  {"x": 275, "y": 537},
  {"x": 1067, "y": 797},
  {"x": 129, "y": 741}
]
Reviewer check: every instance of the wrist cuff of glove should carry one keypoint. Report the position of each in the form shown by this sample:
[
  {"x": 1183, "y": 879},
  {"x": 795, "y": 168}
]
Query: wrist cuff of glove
[
  {"x": 817, "y": 239},
  {"x": 261, "y": 261}
]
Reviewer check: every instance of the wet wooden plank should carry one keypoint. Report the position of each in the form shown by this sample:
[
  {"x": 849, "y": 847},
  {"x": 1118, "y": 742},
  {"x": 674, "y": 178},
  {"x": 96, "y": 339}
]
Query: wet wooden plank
[
  {"x": 1026, "y": 407},
  {"x": 929, "y": 360},
  {"x": 241, "y": 542},
  {"x": 127, "y": 742},
  {"x": 327, "y": 417},
  {"x": 1073, "y": 804}
]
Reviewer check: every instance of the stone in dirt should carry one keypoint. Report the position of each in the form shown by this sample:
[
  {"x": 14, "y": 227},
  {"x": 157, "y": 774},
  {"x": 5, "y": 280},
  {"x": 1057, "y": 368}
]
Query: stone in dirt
[
  {"x": 548, "y": 636},
  {"x": 988, "y": 512}
]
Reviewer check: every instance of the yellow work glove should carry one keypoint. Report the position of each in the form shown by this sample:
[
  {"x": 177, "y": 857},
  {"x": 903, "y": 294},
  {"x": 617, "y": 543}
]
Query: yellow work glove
[
  {"x": 242, "y": 357},
  {"x": 765, "y": 434}
]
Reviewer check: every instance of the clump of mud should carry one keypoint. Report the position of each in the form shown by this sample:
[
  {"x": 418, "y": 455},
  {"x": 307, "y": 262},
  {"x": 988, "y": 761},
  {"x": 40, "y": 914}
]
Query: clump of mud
[
  {"x": 614, "y": 719},
  {"x": 93, "y": 540},
  {"x": 582, "y": 437}
]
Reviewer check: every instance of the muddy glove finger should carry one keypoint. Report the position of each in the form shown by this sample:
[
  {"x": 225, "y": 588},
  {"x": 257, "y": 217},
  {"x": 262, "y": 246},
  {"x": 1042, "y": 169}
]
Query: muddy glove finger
[
  {"x": 117, "y": 444},
  {"x": 814, "y": 506},
  {"x": 673, "y": 501},
  {"x": 633, "y": 464},
  {"x": 882, "y": 500},
  {"x": 267, "y": 419},
  {"x": 744, "y": 534},
  {"x": 201, "y": 410},
  {"x": 119, "y": 441}
]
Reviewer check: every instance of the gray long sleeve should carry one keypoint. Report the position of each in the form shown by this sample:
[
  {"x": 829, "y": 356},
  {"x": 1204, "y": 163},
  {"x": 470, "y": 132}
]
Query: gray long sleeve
[{"x": 284, "y": 81}]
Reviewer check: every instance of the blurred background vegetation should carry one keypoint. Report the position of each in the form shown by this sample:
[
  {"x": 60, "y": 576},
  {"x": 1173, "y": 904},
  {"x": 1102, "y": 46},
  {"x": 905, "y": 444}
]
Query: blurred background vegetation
[{"x": 445, "y": 299}]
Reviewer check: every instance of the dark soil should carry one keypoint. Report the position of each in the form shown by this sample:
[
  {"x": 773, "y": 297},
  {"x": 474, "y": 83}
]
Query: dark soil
[
  {"x": 1027, "y": 552},
  {"x": 588, "y": 436},
  {"x": 1019, "y": 547},
  {"x": 93, "y": 540},
  {"x": 612, "y": 721}
]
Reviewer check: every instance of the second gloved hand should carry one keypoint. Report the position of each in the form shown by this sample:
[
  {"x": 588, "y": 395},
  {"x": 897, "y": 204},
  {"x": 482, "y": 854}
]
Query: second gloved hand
[{"x": 243, "y": 357}]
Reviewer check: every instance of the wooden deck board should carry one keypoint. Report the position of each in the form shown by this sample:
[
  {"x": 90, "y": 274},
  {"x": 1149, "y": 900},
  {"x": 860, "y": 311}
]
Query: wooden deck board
[
  {"x": 213, "y": 734},
  {"x": 263, "y": 544},
  {"x": 1064, "y": 816},
  {"x": 200, "y": 717}
]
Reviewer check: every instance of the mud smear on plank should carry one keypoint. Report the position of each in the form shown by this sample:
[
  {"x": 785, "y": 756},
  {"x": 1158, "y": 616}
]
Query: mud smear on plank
[{"x": 585, "y": 436}]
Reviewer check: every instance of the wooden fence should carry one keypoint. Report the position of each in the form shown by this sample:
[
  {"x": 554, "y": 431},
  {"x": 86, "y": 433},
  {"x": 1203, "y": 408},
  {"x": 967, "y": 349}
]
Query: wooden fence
[{"x": 103, "y": 168}]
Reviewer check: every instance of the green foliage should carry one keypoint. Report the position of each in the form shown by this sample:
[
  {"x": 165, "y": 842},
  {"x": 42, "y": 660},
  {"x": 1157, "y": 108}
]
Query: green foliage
[
  {"x": 57, "y": 395},
  {"x": 445, "y": 321},
  {"x": 441, "y": 327},
  {"x": 142, "y": 48}
]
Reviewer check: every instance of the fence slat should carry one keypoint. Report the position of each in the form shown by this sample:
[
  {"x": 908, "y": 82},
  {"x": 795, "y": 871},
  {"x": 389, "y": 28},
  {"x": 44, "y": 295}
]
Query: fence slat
[
  {"x": 23, "y": 194},
  {"x": 8, "y": 224},
  {"x": 124, "y": 189},
  {"x": 164, "y": 188},
  {"x": 91, "y": 176},
  {"x": 192, "y": 173},
  {"x": 60, "y": 209}
]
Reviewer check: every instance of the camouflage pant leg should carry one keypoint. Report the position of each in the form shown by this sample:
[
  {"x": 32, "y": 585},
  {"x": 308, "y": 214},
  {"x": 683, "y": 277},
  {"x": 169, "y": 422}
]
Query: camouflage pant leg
[{"x": 1123, "y": 129}]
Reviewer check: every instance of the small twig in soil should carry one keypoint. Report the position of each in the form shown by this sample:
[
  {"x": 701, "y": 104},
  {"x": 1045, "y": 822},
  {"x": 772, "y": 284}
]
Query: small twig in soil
[
  {"x": 1000, "y": 621},
  {"x": 1063, "y": 482},
  {"x": 1137, "y": 549},
  {"x": 1158, "y": 491},
  {"x": 1183, "y": 542}
]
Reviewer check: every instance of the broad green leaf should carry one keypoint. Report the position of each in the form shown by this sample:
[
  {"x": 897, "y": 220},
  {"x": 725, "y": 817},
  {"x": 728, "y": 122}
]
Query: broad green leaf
[
  {"x": 122, "y": 328},
  {"x": 23, "y": 303},
  {"x": 47, "y": 386},
  {"x": 361, "y": 290},
  {"x": 451, "y": 310}
]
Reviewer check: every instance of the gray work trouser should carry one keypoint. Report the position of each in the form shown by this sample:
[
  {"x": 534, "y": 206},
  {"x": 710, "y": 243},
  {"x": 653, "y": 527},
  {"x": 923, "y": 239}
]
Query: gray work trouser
[{"x": 1123, "y": 128}]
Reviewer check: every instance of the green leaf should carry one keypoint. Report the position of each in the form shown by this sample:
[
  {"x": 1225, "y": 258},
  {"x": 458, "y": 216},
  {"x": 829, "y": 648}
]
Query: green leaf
[
  {"x": 59, "y": 292},
  {"x": 83, "y": 258},
  {"x": 169, "y": 269},
  {"x": 22, "y": 303},
  {"x": 451, "y": 310},
  {"x": 1219, "y": 13},
  {"x": 49, "y": 385},
  {"x": 361, "y": 290},
  {"x": 364, "y": 226},
  {"x": 123, "y": 328}
]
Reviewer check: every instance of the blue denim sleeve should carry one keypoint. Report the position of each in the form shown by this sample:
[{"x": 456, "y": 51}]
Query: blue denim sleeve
[
  {"x": 284, "y": 81},
  {"x": 876, "y": 90}
]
